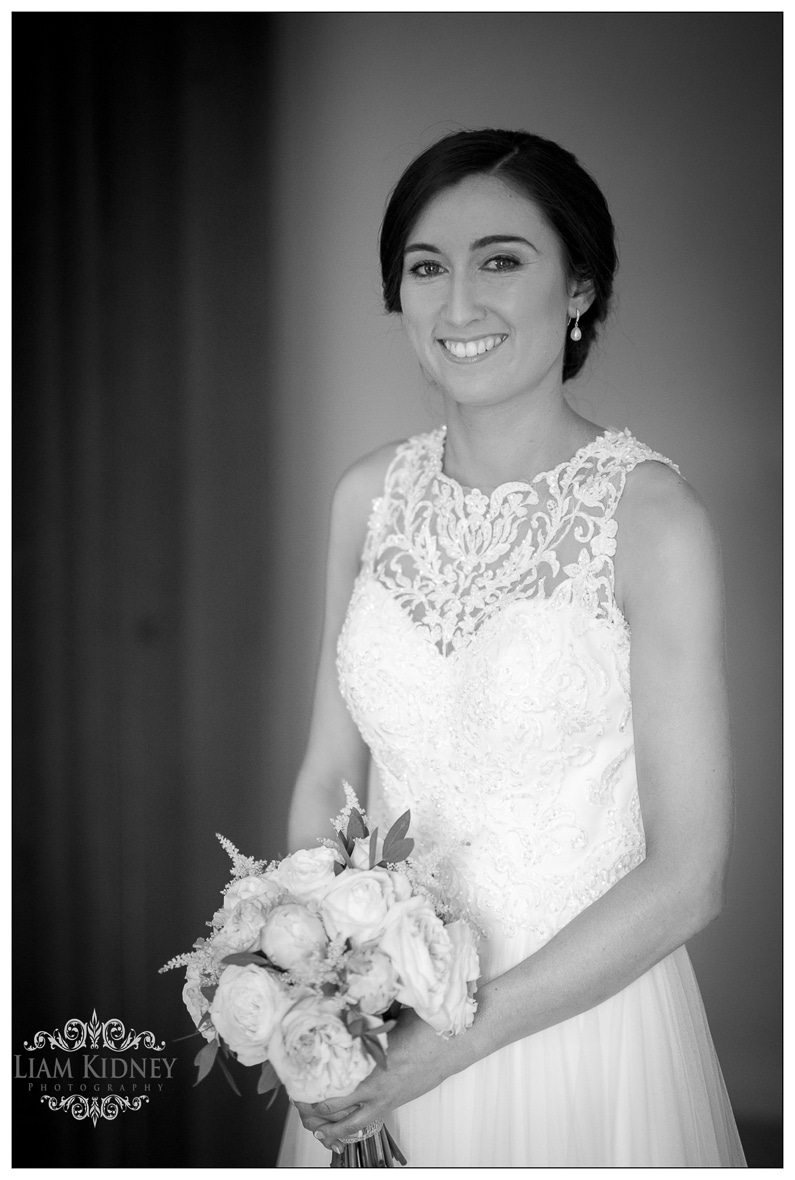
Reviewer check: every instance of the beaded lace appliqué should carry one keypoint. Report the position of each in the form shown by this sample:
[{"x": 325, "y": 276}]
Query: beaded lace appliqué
[{"x": 450, "y": 557}]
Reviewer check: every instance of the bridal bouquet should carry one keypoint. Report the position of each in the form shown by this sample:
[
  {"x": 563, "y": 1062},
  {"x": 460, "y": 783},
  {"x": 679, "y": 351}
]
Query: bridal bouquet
[{"x": 310, "y": 959}]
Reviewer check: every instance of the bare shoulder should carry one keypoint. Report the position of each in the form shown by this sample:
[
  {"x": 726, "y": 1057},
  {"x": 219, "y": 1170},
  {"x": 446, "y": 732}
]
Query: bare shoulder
[
  {"x": 656, "y": 494},
  {"x": 667, "y": 542},
  {"x": 358, "y": 486},
  {"x": 363, "y": 481}
]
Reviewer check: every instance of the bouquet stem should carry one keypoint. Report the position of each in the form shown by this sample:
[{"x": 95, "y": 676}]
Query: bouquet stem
[{"x": 376, "y": 1151}]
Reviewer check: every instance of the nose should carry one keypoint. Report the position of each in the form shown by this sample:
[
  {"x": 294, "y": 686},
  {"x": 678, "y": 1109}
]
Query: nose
[{"x": 462, "y": 305}]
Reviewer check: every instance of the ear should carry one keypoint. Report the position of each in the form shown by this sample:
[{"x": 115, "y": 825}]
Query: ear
[{"x": 581, "y": 296}]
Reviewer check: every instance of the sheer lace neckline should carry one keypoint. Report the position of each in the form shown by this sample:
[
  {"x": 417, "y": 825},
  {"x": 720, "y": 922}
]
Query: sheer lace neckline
[{"x": 438, "y": 439}]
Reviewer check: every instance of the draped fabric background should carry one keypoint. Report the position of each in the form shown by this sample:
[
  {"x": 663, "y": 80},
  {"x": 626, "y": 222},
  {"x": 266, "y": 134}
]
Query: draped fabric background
[{"x": 199, "y": 351}]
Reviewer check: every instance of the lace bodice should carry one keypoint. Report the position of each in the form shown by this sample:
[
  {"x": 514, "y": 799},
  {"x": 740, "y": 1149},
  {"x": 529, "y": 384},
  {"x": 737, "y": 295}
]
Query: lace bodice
[{"x": 486, "y": 663}]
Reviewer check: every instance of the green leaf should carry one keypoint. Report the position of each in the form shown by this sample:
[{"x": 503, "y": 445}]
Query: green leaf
[
  {"x": 268, "y": 1078},
  {"x": 205, "y": 1022},
  {"x": 338, "y": 868},
  {"x": 273, "y": 1096},
  {"x": 357, "y": 1026},
  {"x": 399, "y": 827},
  {"x": 373, "y": 847},
  {"x": 356, "y": 828},
  {"x": 344, "y": 846},
  {"x": 386, "y": 1027},
  {"x": 243, "y": 958},
  {"x": 398, "y": 851},
  {"x": 205, "y": 1060},
  {"x": 208, "y": 990},
  {"x": 228, "y": 1076}
]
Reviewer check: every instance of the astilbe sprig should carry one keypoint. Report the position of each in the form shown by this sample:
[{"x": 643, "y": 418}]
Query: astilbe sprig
[
  {"x": 321, "y": 971},
  {"x": 242, "y": 866},
  {"x": 352, "y": 804}
]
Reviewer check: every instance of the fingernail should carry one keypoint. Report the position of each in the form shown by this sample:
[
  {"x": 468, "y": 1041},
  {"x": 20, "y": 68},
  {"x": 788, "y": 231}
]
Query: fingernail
[{"x": 319, "y": 1135}]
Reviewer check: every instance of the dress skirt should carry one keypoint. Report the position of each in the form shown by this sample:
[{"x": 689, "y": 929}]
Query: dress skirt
[{"x": 633, "y": 1082}]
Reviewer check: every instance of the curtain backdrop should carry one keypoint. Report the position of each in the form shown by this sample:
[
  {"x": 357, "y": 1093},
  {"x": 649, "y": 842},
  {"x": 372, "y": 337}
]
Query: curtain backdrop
[
  {"x": 199, "y": 352},
  {"x": 148, "y": 708}
]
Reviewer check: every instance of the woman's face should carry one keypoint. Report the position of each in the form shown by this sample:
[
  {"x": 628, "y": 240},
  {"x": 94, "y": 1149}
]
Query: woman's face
[{"x": 484, "y": 293}]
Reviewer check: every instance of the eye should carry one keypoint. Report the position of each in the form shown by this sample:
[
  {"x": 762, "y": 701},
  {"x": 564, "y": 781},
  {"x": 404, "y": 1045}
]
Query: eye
[
  {"x": 427, "y": 269},
  {"x": 501, "y": 263}
]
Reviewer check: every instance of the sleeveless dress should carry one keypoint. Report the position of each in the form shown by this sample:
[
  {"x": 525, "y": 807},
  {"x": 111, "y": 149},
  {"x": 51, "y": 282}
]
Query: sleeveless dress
[{"x": 486, "y": 663}]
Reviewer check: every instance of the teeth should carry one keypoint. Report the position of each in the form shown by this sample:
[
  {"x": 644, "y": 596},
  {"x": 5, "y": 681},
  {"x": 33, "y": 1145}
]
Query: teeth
[{"x": 473, "y": 347}]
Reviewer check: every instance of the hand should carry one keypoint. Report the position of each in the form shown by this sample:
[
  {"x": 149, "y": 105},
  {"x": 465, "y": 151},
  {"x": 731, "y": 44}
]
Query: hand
[{"x": 418, "y": 1060}]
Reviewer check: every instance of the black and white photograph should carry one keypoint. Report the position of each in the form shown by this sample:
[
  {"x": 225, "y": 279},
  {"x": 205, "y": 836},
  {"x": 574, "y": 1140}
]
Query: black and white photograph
[{"x": 397, "y": 589}]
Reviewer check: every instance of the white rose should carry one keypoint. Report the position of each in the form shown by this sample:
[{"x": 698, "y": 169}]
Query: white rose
[
  {"x": 248, "y": 888},
  {"x": 242, "y": 929},
  {"x": 308, "y": 873},
  {"x": 360, "y": 857},
  {"x": 420, "y": 948},
  {"x": 371, "y": 980},
  {"x": 196, "y": 1003},
  {"x": 459, "y": 1005},
  {"x": 246, "y": 1008},
  {"x": 292, "y": 934},
  {"x": 313, "y": 1053},
  {"x": 357, "y": 905}
]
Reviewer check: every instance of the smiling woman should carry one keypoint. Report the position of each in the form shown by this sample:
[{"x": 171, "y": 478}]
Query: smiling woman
[
  {"x": 524, "y": 628},
  {"x": 562, "y": 193},
  {"x": 466, "y": 290}
]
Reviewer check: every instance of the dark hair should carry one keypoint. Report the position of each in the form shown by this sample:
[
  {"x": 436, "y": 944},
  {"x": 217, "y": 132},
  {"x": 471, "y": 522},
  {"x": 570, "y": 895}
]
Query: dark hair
[{"x": 539, "y": 169}]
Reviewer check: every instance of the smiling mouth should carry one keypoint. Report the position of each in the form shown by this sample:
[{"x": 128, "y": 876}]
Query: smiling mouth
[{"x": 468, "y": 350}]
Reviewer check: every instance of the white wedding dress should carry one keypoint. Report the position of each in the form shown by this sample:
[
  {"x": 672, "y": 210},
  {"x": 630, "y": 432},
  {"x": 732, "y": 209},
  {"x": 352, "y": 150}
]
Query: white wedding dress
[{"x": 486, "y": 662}]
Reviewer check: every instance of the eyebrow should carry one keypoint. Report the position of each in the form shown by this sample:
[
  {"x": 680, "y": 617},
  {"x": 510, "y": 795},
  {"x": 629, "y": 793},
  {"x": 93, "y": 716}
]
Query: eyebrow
[{"x": 478, "y": 244}]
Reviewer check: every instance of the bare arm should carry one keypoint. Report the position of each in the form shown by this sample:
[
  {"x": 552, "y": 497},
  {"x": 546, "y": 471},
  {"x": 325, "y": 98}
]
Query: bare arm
[
  {"x": 669, "y": 586},
  {"x": 335, "y": 750}
]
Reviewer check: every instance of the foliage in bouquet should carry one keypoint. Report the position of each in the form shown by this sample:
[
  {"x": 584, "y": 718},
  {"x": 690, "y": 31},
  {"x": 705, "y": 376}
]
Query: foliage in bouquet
[{"x": 311, "y": 956}]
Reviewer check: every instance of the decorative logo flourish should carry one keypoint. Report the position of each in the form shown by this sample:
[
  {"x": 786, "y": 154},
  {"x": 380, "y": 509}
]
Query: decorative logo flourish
[
  {"x": 94, "y": 1108},
  {"x": 79, "y": 1033}
]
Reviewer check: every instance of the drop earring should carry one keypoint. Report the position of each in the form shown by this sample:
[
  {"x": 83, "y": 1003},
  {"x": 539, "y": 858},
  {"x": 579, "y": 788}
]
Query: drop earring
[{"x": 575, "y": 333}]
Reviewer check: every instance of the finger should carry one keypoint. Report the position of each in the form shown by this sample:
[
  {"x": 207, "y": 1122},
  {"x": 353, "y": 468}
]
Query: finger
[
  {"x": 334, "y": 1135},
  {"x": 334, "y": 1107},
  {"x": 314, "y": 1122},
  {"x": 334, "y": 1116}
]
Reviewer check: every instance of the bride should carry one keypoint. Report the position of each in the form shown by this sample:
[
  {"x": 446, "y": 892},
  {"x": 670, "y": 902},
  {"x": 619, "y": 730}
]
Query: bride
[{"x": 524, "y": 629}]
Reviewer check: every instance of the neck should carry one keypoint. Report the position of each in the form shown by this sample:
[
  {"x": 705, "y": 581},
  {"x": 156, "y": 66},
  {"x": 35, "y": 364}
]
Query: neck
[{"x": 490, "y": 445}]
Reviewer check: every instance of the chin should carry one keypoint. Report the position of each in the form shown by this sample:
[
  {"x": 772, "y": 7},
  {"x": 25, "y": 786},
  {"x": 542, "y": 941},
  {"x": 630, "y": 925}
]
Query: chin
[{"x": 470, "y": 388}]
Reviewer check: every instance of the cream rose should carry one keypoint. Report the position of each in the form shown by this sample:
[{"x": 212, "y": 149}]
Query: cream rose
[
  {"x": 357, "y": 905},
  {"x": 242, "y": 929},
  {"x": 313, "y": 1053},
  {"x": 249, "y": 888},
  {"x": 246, "y": 1008},
  {"x": 459, "y": 1005},
  {"x": 292, "y": 934},
  {"x": 371, "y": 980},
  {"x": 308, "y": 873},
  {"x": 360, "y": 857},
  {"x": 420, "y": 948}
]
